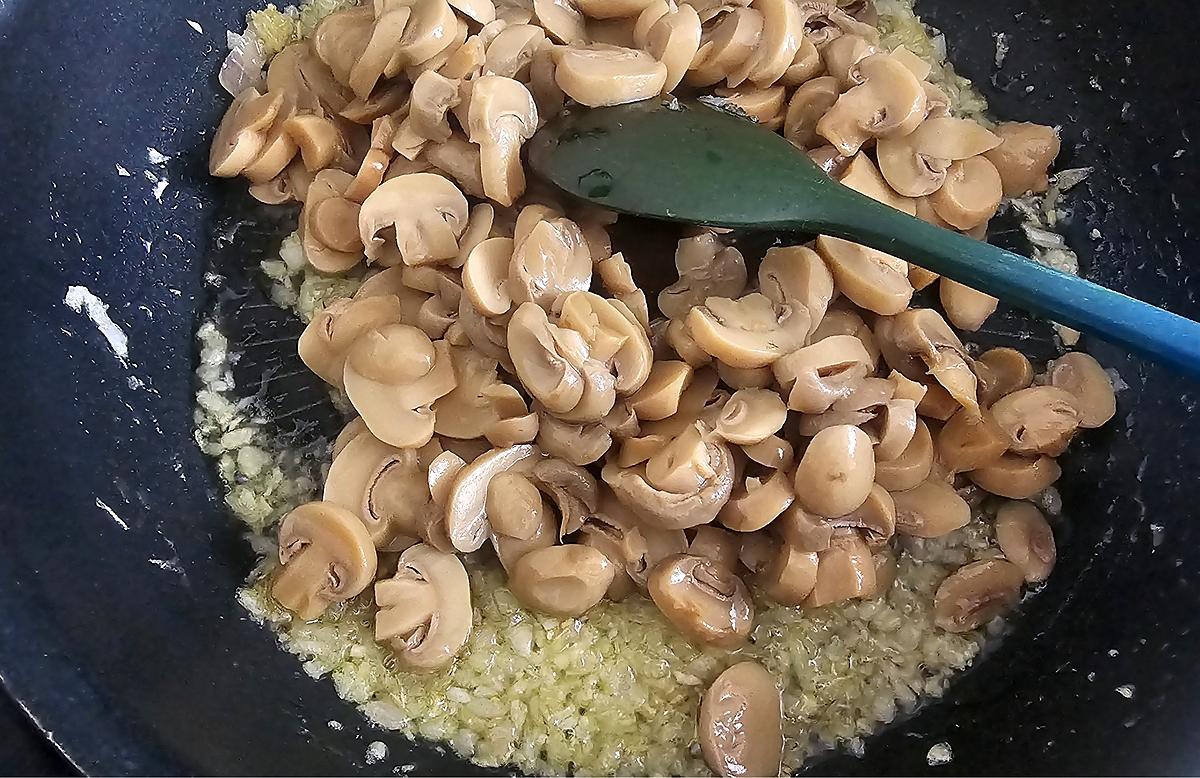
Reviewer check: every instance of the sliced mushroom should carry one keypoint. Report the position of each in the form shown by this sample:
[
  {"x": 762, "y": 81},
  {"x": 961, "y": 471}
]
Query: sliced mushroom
[
  {"x": 970, "y": 195},
  {"x": 432, "y": 97},
  {"x": 716, "y": 544},
  {"x": 764, "y": 105},
  {"x": 624, "y": 546},
  {"x": 425, "y": 608},
  {"x": 1002, "y": 371},
  {"x": 885, "y": 573},
  {"x": 422, "y": 214},
  {"x": 317, "y": 138},
  {"x": 329, "y": 224},
  {"x": 861, "y": 175},
  {"x": 875, "y": 518},
  {"x": 485, "y": 276},
  {"x": 682, "y": 343},
  {"x": 930, "y": 509},
  {"x": 889, "y": 102},
  {"x": 707, "y": 603},
  {"x": 673, "y": 40},
  {"x": 563, "y": 581},
  {"x": 912, "y": 466},
  {"x": 514, "y": 430},
  {"x": 386, "y": 487},
  {"x": 796, "y": 275},
  {"x": 479, "y": 399},
  {"x": 1082, "y": 376},
  {"x": 842, "y": 320},
  {"x": 326, "y": 341},
  {"x": 748, "y": 332},
  {"x": 551, "y": 259},
  {"x": 574, "y": 491},
  {"x": 965, "y": 307},
  {"x": 745, "y": 377},
  {"x": 771, "y": 452},
  {"x": 1025, "y": 153},
  {"x": 975, "y": 594},
  {"x": 969, "y": 441},
  {"x": 579, "y": 444},
  {"x": 1038, "y": 420},
  {"x": 542, "y": 368},
  {"x": 242, "y": 134},
  {"x": 609, "y": 75},
  {"x": 842, "y": 54},
  {"x": 741, "y": 723},
  {"x": 869, "y": 278},
  {"x": 562, "y": 20},
  {"x": 916, "y": 164},
  {"x": 706, "y": 269},
  {"x": 816, "y": 376},
  {"x": 921, "y": 337},
  {"x": 790, "y": 575},
  {"x": 326, "y": 556},
  {"x": 613, "y": 335},
  {"x": 466, "y": 505},
  {"x": 1026, "y": 539},
  {"x": 751, "y": 416},
  {"x": 836, "y": 473},
  {"x": 659, "y": 396},
  {"x": 808, "y": 104},
  {"x": 1017, "y": 477},
  {"x": 393, "y": 374},
  {"x": 758, "y": 502},
  {"x": 845, "y": 571},
  {"x": 503, "y": 116}
]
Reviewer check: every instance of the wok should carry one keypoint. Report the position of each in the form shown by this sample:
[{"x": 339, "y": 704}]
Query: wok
[{"x": 119, "y": 633}]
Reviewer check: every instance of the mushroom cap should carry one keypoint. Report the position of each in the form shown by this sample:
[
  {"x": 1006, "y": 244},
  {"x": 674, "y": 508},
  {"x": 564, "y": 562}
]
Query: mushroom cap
[
  {"x": 325, "y": 343},
  {"x": 1037, "y": 420},
  {"x": 861, "y": 175},
  {"x": 386, "y": 487},
  {"x": 751, "y": 416},
  {"x": 1002, "y": 371},
  {"x": 741, "y": 722},
  {"x": 870, "y": 279},
  {"x": 889, "y": 102},
  {"x": 789, "y": 577},
  {"x": 673, "y": 40},
  {"x": 970, "y": 194},
  {"x": 658, "y": 398},
  {"x": 966, "y": 308},
  {"x": 1017, "y": 477},
  {"x": 466, "y": 505},
  {"x": 772, "y": 451},
  {"x": 969, "y": 441},
  {"x": 479, "y": 399},
  {"x": 241, "y": 136},
  {"x": 757, "y": 503},
  {"x": 1023, "y": 156},
  {"x": 425, "y": 608},
  {"x": 748, "y": 332},
  {"x": 706, "y": 269},
  {"x": 845, "y": 571},
  {"x": 796, "y": 275},
  {"x": 515, "y": 506},
  {"x": 502, "y": 116},
  {"x": 716, "y": 544},
  {"x": 550, "y": 260},
  {"x": 912, "y": 466},
  {"x": 579, "y": 444},
  {"x": 930, "y": 509},
  {"x": 613, "y": 335},
  {"x": 811, "y": 100},
  {"x": 1083, "y": 378},
  {"x": 608, "y": 75},
  {"x": 564, "y": 581},
  {"x": 802, "y": 530},
  {"x": 326, "y": 557},
  {"x": 426, "y": 213},
  {"x": 708, "y": 604},
  {"x": 1026, "y": 539},
  {"x": 975, "y": 594},
  {"x": 836, "y": 473},
  {"x": 485, "y": 276},
  {"x": 875, "y": 518},
  {"x": 819, "y": 375}
]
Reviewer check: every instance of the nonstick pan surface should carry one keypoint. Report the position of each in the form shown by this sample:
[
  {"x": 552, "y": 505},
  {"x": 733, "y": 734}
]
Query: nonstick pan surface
[{"x": 119, "y": 633}]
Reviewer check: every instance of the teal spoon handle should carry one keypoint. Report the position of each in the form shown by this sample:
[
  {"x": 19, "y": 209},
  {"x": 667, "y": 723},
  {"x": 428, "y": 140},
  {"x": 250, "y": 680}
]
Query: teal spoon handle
[
  {"x": 686, "y": 162},
  {"x": 1137, "y": 326}
]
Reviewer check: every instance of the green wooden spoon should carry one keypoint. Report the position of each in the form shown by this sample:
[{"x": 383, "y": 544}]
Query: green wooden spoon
[{"x": 686, "y": 162}]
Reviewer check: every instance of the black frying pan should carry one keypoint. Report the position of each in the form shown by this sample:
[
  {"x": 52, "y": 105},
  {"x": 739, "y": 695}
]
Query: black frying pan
[{"x": 118, "y": 628}]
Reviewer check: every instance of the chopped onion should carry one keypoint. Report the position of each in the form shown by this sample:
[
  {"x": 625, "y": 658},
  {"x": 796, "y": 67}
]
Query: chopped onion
[{"x": 243, "y": 68}]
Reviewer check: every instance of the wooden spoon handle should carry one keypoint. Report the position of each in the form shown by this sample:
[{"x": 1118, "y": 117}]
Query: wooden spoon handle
[{"x": 1140, "y": 327}]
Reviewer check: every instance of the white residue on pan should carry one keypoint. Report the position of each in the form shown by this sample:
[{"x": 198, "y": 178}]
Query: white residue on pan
[
  {"x": 155, "y": 156},
  {"x": 123, "y": 172},
  {"x": 195, "y": 26},
  {"x": 939, "y": 754},
  {"x": 112, "y": 514},
  {"x": 1001, "y": 48},
  {"x": 81, "y": 300},
  {"x": 377, "y": 751},
  {"x": 1125, "y": 691}
]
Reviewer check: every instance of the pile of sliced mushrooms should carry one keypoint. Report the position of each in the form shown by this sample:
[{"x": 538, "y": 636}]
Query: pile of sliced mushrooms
[{"x": 772, "y": 431}]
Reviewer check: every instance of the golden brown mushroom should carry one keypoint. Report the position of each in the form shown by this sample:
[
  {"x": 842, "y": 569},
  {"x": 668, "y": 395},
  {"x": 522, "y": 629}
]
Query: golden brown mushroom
[
  {"x": 673, "y": 40},
  {"x": 1001, "y": 371},
  {"x": 386, "y": 487},
  {"x": 790, "y": 575},
  {"x": 706, "y": 269},
  {"x": 242, "y": 134},
  {"x": 1038, "y": 420},
  {"x": 845, "y": 571},
  {"x": 326, "y": 557},
  {"x": 969, "y": 441},
  {"x": 836, "y": 473},
  {"x": 741, "y": 723},
  {"x": 921, "y": 338},
  {"x": 889, "y": 102},
  {"x": 609, "y": 75},
  {"x": 808, "y": 104},
  {"x": 425, "y": 608},
  {"x": 1025, "y": 153},
  {"x": 329, "y": 224},
  {"x": 1026, "y": 539},
  {"x": 1017, "y": 477},
  {"x": 869, "y": 278},
  {"x": 802, "y": 530},
  {"x": 318, "y": 139},
  {"x": 970, "y": 194},
  {"x": 563, "y": 581},
  {"x": 816, "y": 376},
  {"x": 1083, "y": 377},
  {"x": 975, "y": 594},
  {"x": 930, "y": 509},
  {"x": 416, "y": 219},
  {"x": 965, "y": 307},
  {"x": 757, "y": 502},
  {"x": 796, "y": 275},
  {"x": 716, "y": 544},
  {"x": 912, "y": 466},
  {"x": 748, "y": 332},
  {"x": 326, "y": 341},
  {"x": 707, "y": 603}
]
